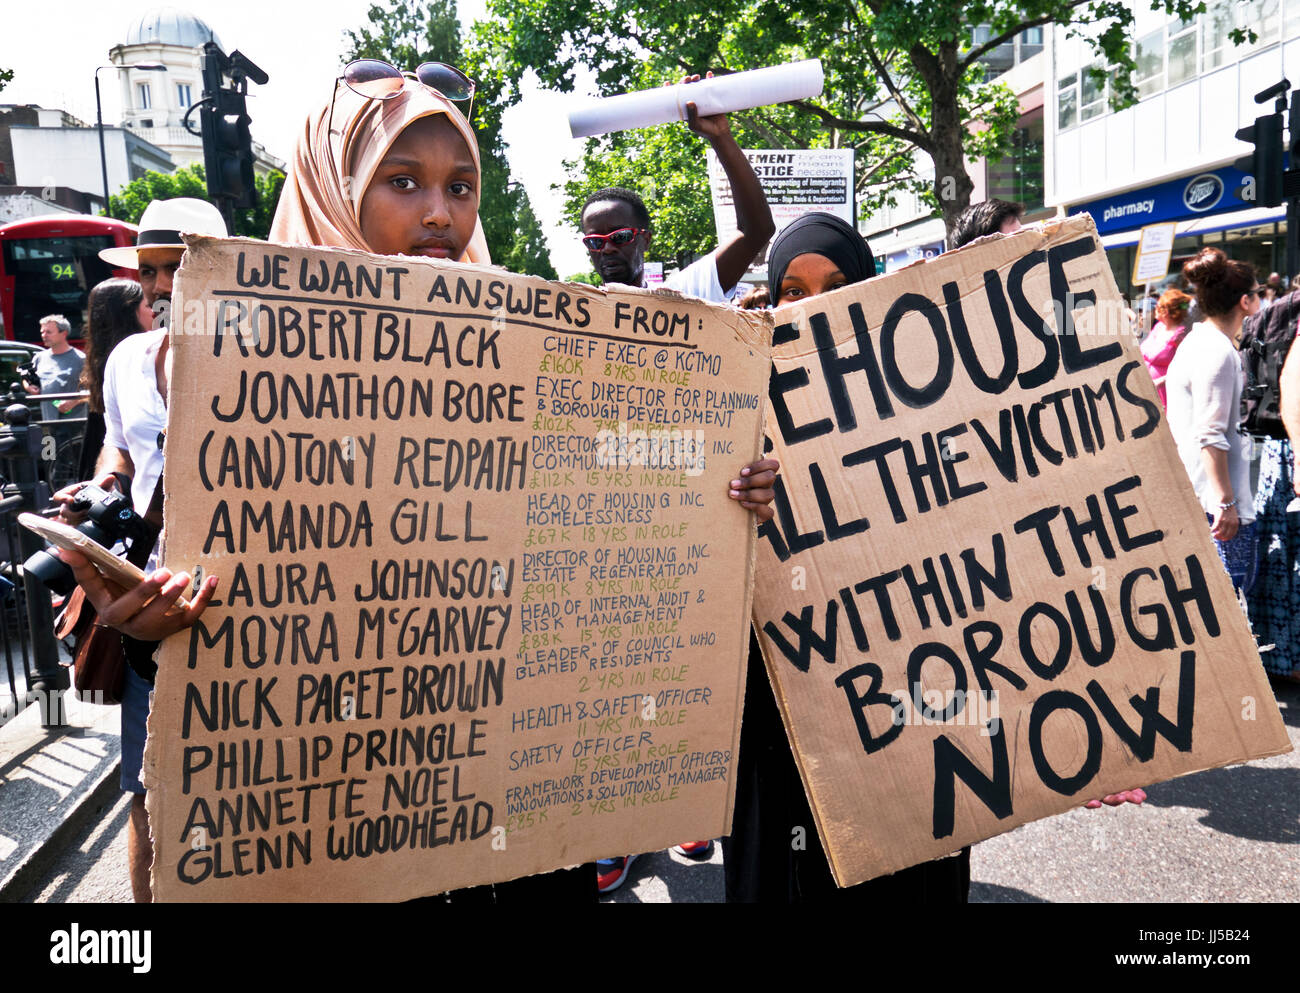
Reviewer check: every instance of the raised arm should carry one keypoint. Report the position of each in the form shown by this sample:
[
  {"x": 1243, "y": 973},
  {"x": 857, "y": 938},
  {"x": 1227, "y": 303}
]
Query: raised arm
[{"x": 753, "y": 216}]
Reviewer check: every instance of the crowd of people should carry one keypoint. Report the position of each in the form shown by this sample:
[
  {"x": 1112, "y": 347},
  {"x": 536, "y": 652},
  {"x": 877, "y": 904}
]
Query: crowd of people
[
  {"x": 395, "y": 170},
  {"x": 1193, "y": 353}
]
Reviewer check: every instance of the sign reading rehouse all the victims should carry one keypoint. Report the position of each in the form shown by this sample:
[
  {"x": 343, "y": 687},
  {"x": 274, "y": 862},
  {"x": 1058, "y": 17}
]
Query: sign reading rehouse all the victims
[
  {"x": 484, "y": 599},
  {"x": 989, "y": 593}
]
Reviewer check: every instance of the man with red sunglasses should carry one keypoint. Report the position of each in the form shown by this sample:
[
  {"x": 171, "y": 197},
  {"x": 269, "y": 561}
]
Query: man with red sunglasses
[
  {"x": 616, "y": 225},
  {"x": 616, "y": 231}
]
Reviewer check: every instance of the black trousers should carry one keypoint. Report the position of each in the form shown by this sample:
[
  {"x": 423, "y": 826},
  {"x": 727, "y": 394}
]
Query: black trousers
[{"x": 762, "y": 862}]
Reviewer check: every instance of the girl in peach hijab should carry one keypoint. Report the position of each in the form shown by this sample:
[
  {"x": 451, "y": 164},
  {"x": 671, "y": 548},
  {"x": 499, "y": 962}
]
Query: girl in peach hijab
[
  {"x": 400, "y": 176},
  {"x": 393, "y": 176}
]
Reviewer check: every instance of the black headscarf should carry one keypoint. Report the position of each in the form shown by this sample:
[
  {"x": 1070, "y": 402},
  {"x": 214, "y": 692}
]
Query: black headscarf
[{"x": 819, "y": 234}]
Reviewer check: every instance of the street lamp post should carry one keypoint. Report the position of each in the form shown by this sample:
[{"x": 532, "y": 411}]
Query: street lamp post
[{"x": 99, "y": 116}]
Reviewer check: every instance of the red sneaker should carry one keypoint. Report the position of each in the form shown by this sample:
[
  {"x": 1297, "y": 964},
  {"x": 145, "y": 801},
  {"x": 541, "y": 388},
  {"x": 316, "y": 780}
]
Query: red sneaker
[
  {"x": 695, "y": 849},
  {"x": 611, "y": 873}
]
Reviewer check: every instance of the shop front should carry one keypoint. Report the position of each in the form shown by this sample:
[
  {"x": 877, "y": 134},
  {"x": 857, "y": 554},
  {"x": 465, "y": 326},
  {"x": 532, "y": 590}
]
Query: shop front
[{"x": 1209, "y": 207}]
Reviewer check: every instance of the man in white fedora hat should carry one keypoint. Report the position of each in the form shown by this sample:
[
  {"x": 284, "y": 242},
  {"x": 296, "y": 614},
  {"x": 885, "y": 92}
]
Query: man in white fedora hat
[
  {"x": 159, "y": 245},
  {"x": 135, "y": 421}
]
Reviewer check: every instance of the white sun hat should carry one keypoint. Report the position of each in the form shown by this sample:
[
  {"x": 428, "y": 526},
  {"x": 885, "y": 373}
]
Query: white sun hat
[{"x": 163, "y": 223}]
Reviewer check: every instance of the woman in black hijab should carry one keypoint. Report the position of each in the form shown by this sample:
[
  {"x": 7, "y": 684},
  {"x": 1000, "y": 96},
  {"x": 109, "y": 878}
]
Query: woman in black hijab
[
  {"x": 816, "y": 254},
  {"x": 774, "y": 854}
]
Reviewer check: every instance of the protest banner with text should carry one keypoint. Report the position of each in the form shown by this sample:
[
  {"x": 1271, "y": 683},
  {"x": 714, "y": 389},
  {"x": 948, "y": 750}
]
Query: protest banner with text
[
  {"x": 989, "y": 593},
  {"x": 484, "y": 599}
]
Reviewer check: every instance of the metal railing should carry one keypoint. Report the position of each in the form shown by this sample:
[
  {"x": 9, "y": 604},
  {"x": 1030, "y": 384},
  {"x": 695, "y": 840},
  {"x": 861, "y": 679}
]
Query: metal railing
[
  {"x": 31, "y": 461},
  {"x": 61, "y": 439}
]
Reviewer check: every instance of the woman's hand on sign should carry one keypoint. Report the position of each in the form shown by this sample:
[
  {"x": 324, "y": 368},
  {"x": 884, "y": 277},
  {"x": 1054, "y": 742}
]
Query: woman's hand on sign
[
  {"x": 714, "y": 126},
  {"x": 1116, "y": 799},
  {"x": 753, "y": 488},
  {"x": 148, "y": 611}
]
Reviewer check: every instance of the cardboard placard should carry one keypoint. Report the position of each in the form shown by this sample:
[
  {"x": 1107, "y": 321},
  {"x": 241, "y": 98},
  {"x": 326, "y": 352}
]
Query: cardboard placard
[
  {"x": 1154, "y": 250},
  {"x": 484, "y": 599},
  {"x": 989, "y": 593}
]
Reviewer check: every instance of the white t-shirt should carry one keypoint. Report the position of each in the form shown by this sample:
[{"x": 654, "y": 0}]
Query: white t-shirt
[
  {"x": 135, "y": 416},
  {"x": 700, "y": 279},
  {"x": 1204, "y": 393}
]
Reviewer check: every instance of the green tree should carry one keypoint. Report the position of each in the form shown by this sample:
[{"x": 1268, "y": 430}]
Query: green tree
[
  {"x": 6, "y": 76},
  {"x": 529, "y": 252},
  {"x": 128, "y": 204},
  {"x": 405, "y": 33},
  {"x": 903, "y": 80}
]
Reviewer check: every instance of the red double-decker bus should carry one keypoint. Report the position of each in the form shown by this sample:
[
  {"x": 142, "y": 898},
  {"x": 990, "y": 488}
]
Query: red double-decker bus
[{"x": 49, "y": 264}]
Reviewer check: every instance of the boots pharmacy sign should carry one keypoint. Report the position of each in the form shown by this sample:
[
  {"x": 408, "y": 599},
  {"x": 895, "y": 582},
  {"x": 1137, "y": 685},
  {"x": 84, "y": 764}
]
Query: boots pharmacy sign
[{"x": 1215, "y": 191}]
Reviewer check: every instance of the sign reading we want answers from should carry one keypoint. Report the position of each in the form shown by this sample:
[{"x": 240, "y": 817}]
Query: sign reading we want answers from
[{"x": 484, "y": 600}]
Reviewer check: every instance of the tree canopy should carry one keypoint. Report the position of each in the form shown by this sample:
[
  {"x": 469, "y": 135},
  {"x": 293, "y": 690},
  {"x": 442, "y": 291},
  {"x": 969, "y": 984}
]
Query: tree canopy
[
  {"x": 904, "y": 83},
  {"x": 129, "y": 203},
  {"x": 405, "y": 33}
]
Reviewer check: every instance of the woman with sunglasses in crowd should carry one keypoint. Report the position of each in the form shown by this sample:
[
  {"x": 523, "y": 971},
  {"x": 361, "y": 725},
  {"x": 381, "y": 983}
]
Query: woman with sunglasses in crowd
[{"x": 391, "y": 166}]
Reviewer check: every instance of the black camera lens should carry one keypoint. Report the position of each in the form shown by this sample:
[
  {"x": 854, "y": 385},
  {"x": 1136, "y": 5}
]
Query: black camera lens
[
  {"x": 52, "y": 571},
  {"x": 110, "y": 519}
]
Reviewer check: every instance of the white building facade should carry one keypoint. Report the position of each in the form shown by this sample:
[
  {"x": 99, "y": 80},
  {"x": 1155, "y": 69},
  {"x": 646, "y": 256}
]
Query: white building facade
[
  {"x": 911, "y": 230},
  {"x": 1169, "y": 158},
  {"x": 48, "y": 155},
  {"x": 63, "y": 156},
  {"x": 155, "y": 103}
]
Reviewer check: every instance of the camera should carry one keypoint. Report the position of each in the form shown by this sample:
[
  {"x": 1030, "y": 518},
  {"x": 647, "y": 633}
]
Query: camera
[
  {"x": 27, "y": 373},
  {"x": 110, "y": 519}
]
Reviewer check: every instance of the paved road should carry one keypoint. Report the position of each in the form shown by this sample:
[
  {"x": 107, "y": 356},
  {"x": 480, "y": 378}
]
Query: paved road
[{"x": 1226, "y": 835}]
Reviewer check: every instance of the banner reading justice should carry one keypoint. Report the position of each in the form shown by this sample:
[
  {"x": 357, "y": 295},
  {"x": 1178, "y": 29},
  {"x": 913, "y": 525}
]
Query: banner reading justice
[
  {"x": 483, "y": 600},
  {"x": 989, "y": 593}
]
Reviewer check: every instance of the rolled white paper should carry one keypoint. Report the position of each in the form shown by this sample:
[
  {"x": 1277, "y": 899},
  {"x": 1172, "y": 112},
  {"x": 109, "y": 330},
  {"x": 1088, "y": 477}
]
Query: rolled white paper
[{"x": 719, "y": 95}]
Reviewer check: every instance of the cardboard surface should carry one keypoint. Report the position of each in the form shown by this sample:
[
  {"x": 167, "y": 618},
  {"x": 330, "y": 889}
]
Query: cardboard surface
[
  {"x": 484, "y": 600},
  {"x": 1155, "y": 249},
  {"x": 980, "y": 493}
]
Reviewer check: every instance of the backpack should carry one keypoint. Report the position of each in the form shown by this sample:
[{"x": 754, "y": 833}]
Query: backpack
[{"x": 1265, "y": 342}]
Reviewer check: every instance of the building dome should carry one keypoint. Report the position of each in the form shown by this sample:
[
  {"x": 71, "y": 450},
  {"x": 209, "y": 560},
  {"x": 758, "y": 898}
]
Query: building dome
[{"x": 170, "y": 26}]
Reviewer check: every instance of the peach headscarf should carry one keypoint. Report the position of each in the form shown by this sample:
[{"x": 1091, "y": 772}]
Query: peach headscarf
[{"x": 328, "y": 177}]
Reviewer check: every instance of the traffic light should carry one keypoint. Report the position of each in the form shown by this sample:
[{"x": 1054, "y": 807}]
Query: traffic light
[
  {"x": 228, "y": 149},
  {"x": 227, "y": 144},
  {"x": 1265, "y": 164}
]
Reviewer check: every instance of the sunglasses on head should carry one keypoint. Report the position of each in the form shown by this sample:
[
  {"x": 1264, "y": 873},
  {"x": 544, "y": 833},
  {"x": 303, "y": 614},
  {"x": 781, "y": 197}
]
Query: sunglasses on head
[
  {"x": 378, "y": 80},
  {"x": 596, "y": 242}
]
